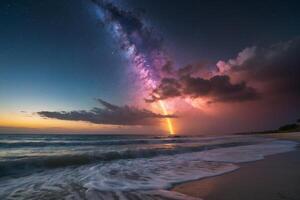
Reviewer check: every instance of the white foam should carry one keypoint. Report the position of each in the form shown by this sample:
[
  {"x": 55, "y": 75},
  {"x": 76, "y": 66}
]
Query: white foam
[
  {"x": 155, "y": 173},
  {"x": 248, "y": 153},
  {"x": 163, "y": 171},
  {"x": 136, "y": 195}
]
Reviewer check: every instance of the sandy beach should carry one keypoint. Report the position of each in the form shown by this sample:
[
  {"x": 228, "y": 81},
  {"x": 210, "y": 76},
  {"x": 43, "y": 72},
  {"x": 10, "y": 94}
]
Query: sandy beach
[
  {"x": 275, "y": 177},
  {"x": 285, "y": 136}
]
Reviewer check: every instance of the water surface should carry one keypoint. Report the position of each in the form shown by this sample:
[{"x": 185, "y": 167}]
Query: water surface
[{"x": 119, "y": 166}]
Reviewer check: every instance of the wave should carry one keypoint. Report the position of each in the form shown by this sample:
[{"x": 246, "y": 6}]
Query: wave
[
  {"x": 91, "y": 143},
  {"x": 32, "y": 164},
  {"x": 57, "y": 143}
]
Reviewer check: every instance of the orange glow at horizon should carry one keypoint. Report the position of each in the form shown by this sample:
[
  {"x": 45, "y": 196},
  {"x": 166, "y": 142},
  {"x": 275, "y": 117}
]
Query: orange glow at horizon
[
  {"x": 18, "y": 120},
  {"x": 27, "y": 120},
  {"x": 169, "y": 122}
]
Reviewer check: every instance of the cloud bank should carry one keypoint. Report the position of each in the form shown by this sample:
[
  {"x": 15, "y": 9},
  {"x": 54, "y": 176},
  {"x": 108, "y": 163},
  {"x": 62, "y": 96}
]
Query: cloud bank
[
  {"x": 189, "y": 82},
  {"x": 275, "y": 69},
  {"x": 217, "y": 88},
  {"x": 256, "y": 72},
  {"x": 109, "y": 114}
]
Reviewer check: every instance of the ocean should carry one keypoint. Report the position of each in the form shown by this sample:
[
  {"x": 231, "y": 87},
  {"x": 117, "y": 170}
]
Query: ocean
[{"x": 43, "y": 167}]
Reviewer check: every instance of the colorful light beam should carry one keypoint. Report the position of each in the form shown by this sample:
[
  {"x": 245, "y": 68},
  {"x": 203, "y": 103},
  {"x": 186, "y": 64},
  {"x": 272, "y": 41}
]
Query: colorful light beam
[{"x": 168, "y": 120}]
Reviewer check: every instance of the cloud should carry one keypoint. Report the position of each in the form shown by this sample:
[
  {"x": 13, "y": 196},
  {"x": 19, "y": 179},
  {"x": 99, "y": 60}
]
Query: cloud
[
  {"x": 276, "y": 69},
  {"x": 256, "y": 72},
  {"x": 217, "y": 89},
  {"x": 108, "y": 114}
]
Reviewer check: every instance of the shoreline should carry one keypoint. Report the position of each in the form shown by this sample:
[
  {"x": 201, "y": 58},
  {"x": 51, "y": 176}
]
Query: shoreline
[{"x": 274, "y": 177}]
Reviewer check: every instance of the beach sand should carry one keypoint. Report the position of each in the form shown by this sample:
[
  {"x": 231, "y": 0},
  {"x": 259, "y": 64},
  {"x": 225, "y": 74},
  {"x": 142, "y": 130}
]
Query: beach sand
[
  {"x": 277, "y": 177},
  {"x": 286, "y": 136}
]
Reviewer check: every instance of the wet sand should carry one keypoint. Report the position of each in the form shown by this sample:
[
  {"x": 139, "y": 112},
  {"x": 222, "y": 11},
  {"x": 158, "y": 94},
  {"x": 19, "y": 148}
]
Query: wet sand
[
  {"x": 277, "y": 177},
  {"x": 286, "y": 136}
]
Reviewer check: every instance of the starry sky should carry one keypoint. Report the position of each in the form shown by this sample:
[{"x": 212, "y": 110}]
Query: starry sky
[{"x": 59, "y": 62}]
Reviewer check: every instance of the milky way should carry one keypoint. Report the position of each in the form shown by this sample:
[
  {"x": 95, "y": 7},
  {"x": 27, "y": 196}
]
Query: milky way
[{"x": 141, "y": 45}]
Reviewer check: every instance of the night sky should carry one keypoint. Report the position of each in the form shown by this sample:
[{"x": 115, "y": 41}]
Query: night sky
[{"x": 238, "y": 59}]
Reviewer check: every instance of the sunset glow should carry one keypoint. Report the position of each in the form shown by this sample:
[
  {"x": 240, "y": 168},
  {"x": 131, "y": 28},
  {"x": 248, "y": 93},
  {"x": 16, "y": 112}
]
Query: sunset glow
[{"x": 35, "y": 122}]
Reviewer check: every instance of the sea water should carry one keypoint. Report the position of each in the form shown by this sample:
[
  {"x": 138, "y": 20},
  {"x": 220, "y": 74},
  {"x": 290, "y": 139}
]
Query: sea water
[{"x": 119, "y": 166}]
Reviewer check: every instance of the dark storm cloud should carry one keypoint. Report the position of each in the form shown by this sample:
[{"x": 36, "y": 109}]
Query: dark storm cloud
[
  {"x": 109, "y": 114},
  {"x": 276, "y": 68},
  {"x": 218, "y": 89}
]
